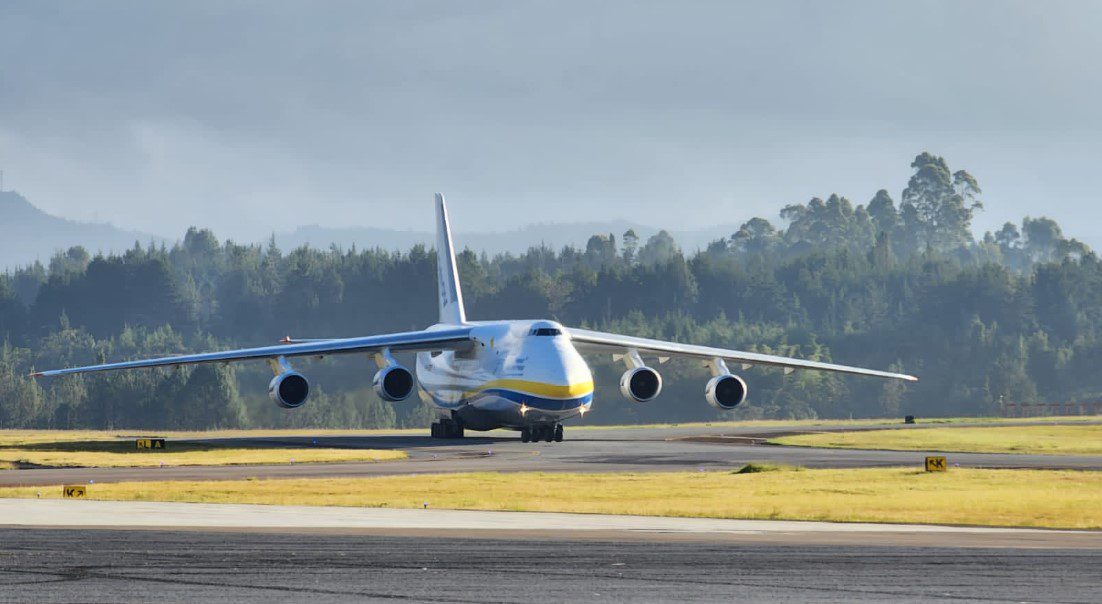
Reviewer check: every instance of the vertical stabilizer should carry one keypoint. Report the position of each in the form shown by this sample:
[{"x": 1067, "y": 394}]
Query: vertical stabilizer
[{"x": 451, "y": 297}]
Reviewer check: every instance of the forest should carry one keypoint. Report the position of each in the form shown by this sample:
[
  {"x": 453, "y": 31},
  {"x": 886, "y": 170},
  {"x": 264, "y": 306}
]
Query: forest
[{"x": 901, "y": 284}]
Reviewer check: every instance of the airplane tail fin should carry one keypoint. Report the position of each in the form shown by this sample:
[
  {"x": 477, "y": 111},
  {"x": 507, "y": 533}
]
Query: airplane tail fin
[{"x": 451, "y": 296}]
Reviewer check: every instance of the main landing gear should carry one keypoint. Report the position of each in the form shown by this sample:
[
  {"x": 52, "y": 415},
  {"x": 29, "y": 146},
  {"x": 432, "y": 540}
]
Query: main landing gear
[
  {"x": 538, "y": 432},
  {"x": 447, "y": 428}
]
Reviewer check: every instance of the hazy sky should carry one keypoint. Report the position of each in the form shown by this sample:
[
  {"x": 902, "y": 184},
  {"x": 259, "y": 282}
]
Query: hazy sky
[{"x": 257, "y": 116}]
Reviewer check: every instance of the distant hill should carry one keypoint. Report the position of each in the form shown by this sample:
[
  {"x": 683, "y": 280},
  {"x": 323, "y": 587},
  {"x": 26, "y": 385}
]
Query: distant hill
[
  {"x": 28, "y": 234},
  {"x": 515, "y": 241}
]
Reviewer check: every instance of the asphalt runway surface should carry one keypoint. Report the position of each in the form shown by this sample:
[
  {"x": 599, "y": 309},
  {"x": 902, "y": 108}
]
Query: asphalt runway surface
[
  {"x": 64, "y": 565},
  {"x": 592, "y": 450},
  {"x": 97, "y": 551}
]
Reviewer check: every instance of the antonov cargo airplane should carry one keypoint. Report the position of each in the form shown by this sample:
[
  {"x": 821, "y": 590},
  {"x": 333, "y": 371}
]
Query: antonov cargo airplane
[{"x": 521, "y": 375}]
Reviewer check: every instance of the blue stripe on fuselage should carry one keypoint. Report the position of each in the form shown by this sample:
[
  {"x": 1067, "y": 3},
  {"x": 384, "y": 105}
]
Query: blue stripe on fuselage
[{"x": 520, "y": 398}]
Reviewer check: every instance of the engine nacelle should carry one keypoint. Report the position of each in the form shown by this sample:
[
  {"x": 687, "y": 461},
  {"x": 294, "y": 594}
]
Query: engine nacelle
[
  {"x": 393, "y": 383},
  {"x": 641, "y": 384},
  {"x": 725, "y": 392},
  {"x": 289, "y": 389}
]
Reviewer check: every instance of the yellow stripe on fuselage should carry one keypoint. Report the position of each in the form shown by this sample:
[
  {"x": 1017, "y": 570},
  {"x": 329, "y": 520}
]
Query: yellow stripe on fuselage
[{"x": 541, "y": 389}]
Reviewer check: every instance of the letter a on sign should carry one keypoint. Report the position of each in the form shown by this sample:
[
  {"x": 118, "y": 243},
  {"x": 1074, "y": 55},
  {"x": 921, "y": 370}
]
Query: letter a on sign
[{"x": 936, "y": 464}]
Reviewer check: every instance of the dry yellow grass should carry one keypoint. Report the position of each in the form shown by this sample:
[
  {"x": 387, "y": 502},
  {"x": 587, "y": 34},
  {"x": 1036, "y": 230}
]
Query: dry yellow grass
[
  {"x": 86, "y": 448},
  {"x": 805, "y": 423},
  {"x": 16, "y": 438},
  {"x": 1042, "y": 439},
  {"x": 205, "y": 457},
  {"x": 1025, "y": 498}
]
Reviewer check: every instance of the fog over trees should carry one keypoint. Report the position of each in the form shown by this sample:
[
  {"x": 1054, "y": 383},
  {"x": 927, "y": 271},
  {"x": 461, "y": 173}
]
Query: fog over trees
[{"x": 898, "y": 283}]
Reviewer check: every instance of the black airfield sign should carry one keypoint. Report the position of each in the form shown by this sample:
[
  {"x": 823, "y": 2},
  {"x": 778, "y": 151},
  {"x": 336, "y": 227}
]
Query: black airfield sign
[{"x": 150, "y": 443}]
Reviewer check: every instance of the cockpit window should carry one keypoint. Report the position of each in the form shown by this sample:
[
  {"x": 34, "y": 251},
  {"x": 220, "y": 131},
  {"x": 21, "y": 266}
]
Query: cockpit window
[{"x": 546, "y": 331}]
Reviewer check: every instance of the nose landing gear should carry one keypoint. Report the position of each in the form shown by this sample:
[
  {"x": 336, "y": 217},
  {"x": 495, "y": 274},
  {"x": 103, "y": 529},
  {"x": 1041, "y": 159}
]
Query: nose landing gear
[{"x": 544, "y": 432}]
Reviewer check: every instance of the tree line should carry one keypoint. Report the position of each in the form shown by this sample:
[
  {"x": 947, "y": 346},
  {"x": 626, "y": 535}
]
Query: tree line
[{"x": 1012, "y": 315}]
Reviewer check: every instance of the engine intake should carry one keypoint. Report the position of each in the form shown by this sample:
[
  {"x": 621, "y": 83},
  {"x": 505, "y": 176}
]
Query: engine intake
[
  {"x": 393, "y": 383},
  {"x": 641, "y": 384},
  {"x": 725, "y": 392},
  {"x": 289, "y": 389}
]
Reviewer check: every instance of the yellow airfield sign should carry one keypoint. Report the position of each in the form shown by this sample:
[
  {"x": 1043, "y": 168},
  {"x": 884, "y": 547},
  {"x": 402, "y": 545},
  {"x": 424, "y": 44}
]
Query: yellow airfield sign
[
  {"x": 78, "y": 491},
  {"x": 936, "y": 463},
  {"x": 150, "y": 443}
]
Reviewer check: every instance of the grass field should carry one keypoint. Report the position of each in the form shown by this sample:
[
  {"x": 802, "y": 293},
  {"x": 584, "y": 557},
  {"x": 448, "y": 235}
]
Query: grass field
[
  {"x": 1041, "y": 439},
  {"x": 19, "y": 438},
  {"x": 1024, "y": 498},
  {"x": 82, "y": 448},
  {"x": 14, "y": 458},
  {"x": 891, "y": 421}
]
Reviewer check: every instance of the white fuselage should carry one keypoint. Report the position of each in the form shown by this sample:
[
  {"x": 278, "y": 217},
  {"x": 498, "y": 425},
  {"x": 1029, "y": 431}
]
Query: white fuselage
[{"x": 517, "y": 374}]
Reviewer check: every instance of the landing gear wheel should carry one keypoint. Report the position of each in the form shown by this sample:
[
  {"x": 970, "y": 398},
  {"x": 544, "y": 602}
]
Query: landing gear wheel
[
  {"x": 455, "y": 429},
  {"x": 446, "y": 428},
  {"x": 548, "y": 433},
  {"x": 558, "y": 433},
  {"x": 525, "y": 435}
]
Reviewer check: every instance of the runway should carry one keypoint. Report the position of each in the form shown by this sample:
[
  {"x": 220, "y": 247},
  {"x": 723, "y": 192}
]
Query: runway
[
  {"x": 592, "y": 450},
  {"x": 49, "y": 565},
  {"x": 75, "y": 550}
]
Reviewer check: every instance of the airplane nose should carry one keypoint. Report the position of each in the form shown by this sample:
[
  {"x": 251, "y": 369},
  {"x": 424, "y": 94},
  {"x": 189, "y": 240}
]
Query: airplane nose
[{"x": 572, "y": 370}]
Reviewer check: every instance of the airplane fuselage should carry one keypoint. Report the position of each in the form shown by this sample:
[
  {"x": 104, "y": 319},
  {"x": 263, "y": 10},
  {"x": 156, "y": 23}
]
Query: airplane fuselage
[{"x": 516, "y": 374}]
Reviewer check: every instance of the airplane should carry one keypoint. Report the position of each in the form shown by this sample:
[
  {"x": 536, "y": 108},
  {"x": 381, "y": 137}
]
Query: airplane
[{"x": 527, "y": 376}]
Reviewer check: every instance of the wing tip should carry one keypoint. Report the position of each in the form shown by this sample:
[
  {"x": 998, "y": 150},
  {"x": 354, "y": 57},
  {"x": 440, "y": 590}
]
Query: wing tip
[{"x": 36, "y": 374}]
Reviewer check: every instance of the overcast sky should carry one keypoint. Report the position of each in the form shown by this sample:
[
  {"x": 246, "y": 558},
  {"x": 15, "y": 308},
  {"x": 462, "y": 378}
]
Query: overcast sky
[{"x": 250, "y": 117}]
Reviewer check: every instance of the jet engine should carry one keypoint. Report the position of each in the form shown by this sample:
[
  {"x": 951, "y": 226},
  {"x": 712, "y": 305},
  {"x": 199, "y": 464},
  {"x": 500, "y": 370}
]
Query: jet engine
[
  {"x": 641, "y": 384},
  {"x": 725, "y": 392},
  {"x": 289, "y": 389},
  {"x": 393, "y": 383}
]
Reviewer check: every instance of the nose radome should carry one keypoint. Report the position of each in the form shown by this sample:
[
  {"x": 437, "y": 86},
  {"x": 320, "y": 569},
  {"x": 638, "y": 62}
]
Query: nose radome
[{"x": 572, "y": 369}]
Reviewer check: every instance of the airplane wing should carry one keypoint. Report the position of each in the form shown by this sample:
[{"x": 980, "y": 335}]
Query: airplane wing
[
  {"x": 444, "y": 339},
  {"x": 596, "y": 341}
]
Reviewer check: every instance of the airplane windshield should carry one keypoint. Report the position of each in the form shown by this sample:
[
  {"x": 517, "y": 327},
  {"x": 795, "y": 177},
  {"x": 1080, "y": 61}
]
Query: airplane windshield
[{"x": 546, "y": 331}]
